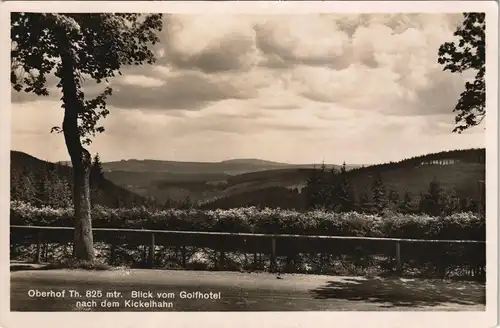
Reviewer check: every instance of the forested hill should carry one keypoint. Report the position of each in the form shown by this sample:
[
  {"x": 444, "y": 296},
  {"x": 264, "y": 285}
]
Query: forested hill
[
  {"x": 459, "y": 172},
  {"x": 48, "y": 182},
  {"x": 471, "y": 156}
]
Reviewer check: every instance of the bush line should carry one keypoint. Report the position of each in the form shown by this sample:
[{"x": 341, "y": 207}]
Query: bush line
[{"x": 466, "y": 225}]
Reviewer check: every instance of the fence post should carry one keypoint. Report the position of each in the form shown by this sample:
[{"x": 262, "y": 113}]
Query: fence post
[
  {"x": 152, "y": 251},
  {"x": 112, "y": 252},
  {"x": 183, "y": 251},
  {"x": 398, "y": 258},
  {"x": 273, "y": 254},
  {"x": 38, "y": 246},
  {"x": 45, "y": 250},
  {"x": 73, "y": 251},
  {"x": 222, "y": 259}
]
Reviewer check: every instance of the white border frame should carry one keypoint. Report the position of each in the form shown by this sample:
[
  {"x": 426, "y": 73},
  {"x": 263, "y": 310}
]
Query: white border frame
[{"x": 487, "y": 318}]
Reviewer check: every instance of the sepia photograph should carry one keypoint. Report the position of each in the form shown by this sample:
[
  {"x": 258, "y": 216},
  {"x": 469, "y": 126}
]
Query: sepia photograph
[{"x": 250, "y": 161}]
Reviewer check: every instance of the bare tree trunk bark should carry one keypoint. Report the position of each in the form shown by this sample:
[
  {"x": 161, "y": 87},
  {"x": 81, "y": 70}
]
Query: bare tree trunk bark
[{"x": 80, "y": 160}]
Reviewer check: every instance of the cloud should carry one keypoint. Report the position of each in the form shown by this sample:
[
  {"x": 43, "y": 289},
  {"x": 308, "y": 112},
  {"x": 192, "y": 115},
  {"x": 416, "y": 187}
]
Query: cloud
[
  {"x": 302, "y": 39},
  {"x": 218, "y": 56},
  {"x": 289, "y": 88},
  {"x": 210, "y": 44},
  {"x": 184, "y": 91},
  {"x": 384, "y": 62},
  {"x": 140, "y": 81},
  {"x": 356, "y": 87}
]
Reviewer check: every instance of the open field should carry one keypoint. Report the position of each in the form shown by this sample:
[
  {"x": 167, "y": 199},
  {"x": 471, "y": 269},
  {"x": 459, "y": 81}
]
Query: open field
[{"x": 245, "y": 291}]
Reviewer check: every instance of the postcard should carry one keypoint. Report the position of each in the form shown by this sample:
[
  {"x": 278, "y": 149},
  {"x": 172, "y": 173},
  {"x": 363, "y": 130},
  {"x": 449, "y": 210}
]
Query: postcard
[{"x": 286, "y": 164}]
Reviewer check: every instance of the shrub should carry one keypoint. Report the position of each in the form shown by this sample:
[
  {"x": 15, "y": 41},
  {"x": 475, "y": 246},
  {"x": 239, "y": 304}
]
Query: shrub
[{"x": 271, "y": 221}]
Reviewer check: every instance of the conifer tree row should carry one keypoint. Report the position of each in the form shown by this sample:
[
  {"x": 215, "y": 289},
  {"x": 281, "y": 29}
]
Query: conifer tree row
[{"x": 334, "y": 191}]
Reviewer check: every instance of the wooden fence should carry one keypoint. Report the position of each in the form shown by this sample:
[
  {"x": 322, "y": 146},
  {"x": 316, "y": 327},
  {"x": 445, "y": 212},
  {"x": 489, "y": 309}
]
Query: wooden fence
[{"x": 265, "y": 241}]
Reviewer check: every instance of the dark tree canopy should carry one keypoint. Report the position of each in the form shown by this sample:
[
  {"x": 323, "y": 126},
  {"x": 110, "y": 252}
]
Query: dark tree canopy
[
  {"x": 468, "y": 53},
  {"x": 99, "y": 45}
]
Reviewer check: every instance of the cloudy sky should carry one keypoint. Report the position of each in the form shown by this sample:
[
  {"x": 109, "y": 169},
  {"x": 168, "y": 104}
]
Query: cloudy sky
[{"x": 298, "y": 89}]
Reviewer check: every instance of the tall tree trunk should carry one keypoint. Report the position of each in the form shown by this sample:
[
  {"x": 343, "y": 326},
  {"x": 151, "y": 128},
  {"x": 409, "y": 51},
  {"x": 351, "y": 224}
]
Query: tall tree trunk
[{"x": 80, "y": 159}]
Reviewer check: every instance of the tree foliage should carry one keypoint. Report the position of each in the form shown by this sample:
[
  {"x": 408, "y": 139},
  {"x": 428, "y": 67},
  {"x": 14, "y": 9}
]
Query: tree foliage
[
  {"x": 45, "y": 187},
  {"x": 22, "y": 185},
  {"x": 365, "y": 204},
  {"x": 407, "y": 205},
  {"x": 99, "y": 45},
  {"x": 434, "y": 201},
  {"x": 468, "y": 53},
  {"x": 343, "y": 196},
  {"x": 314, "y": 190},
  {"x": 379, "y": 193},
  {"x": 96, "y": 179},
  {"x": 96, "y": 172}
]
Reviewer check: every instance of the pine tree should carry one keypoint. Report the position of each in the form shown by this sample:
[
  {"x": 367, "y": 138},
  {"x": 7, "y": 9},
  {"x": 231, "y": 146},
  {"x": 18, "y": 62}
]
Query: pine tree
[
  {"x": 433, "y": 202},
  {"x": 168, "y": 203},
  {"x": 330, "y": 185},
  {"x": 393, "y": 201},
  {"x": 473, "y": 206},
  {"x": 186, "y": 204},
  {"x": 421, "y": 203},
  {"x": 365, "y": 203},
  {"x": 314, "y": 190},
  {"x": 343, "y": 193},
  {"x": 451, "y": 203},
  {"x": 407, "y": 205},
  {"x": 96, "y": 179},
  {"x": 22, "y": 185},
  {"x": 96, "y": 172},
  {"x": 16, "y": 185},
  {"x": 57, "y": 190},
  {"x": 379, "y": 195},
  {"x": 464, "y": 204},
  {"x": 42, "y": 185},
  {"x": 324, "y": 194}
]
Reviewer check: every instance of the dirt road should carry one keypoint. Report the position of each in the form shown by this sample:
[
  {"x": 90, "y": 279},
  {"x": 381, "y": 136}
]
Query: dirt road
[{"x": 162, "y": 290}]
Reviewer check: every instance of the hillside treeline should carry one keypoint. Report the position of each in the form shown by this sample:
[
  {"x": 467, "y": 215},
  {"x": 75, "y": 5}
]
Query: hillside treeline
[
  {"x": 365, "y": 190},
  {"x": 476, "y": 156},
  {"x": 48, "y": 184},
  {"x": 334, "y": 190}
]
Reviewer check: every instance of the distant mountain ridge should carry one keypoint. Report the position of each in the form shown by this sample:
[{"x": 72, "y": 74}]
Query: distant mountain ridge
[
  {"x": 231, "y": 167},
  {"x": 252, "y": 161}
]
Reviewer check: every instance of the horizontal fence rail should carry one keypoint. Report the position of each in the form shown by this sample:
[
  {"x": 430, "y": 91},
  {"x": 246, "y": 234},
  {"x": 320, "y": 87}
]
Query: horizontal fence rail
[
  {"x": 275, "y": 245},
  {"x": 249, "y": 234}
]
